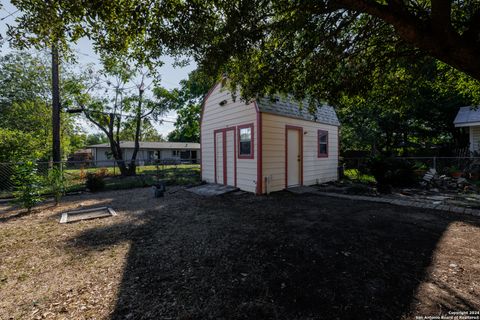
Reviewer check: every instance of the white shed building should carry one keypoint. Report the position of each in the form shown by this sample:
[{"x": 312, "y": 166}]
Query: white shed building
[
  {"x": 469, "y": 117},
  {"x": 266, "y": 145}
]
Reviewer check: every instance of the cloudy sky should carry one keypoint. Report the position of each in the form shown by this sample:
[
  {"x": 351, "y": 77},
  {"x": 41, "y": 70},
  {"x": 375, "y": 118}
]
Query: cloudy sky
[{"x": 170, "y": 76}]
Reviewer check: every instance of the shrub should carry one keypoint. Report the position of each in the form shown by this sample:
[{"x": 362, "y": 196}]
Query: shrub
[
  {"x": 83, "y": 174},
  {"x": 27, "y": 185},
  {"x": 419, "y": 165},
  {"x": 56, "y": 182},
  {"x": 102, "y": 172},
  {"x": 391, "y": 172},
  {"x": 94, "y": 182},
  {"x": 454, "y": 169}
]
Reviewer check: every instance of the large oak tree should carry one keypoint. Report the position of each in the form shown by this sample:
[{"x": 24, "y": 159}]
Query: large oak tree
[{"x": 313, "y": 48}]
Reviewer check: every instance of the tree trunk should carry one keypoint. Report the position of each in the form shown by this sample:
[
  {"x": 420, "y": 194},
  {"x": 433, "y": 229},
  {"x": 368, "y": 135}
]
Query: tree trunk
[
  {"x": 138, "y": 127},
  {"x": 56, "y": 153},
  {"x": 435, "y": 36},
  {"x": 125, "y": 170}
]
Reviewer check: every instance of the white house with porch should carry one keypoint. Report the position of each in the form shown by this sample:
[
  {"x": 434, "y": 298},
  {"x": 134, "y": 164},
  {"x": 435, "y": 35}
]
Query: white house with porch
[
  {"x": 149, "y": 152},
  {"x": 469, "y": 117}
]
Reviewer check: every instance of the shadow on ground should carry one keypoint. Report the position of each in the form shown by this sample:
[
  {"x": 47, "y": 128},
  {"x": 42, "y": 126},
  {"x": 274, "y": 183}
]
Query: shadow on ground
[
  {"x": 12, "y": 212},
  {"x": 276, "y": 257}
]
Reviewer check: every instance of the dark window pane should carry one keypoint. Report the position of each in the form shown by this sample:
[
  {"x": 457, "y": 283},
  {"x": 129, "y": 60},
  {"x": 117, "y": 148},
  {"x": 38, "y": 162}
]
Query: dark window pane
[
  {"x": 323, "y": 148},
  {"x": 245, "y": 147},
  {"x": 323, "y": 137}
]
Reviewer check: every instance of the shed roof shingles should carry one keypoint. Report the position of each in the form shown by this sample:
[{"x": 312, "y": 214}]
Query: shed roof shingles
[
  {"x": 467, "y": 115},
  {"x": 292, "y": 108}
]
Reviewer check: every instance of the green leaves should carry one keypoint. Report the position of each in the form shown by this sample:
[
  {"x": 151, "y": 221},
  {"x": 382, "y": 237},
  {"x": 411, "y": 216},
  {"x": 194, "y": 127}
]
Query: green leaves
[
  {"x": 25, "y": 112},
  {"x": 27, "y": 184},
  {"x": 193, "y": 89},
  {"x": 16, "y": 145},
  {"x": 409, "y": 107},
  {"x": 187, "y": 126},
  {"x": 56, "y": 181}
]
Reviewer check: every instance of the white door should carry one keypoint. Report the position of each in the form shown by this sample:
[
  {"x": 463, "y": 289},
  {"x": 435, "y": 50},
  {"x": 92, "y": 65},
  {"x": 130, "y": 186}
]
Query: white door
[
  {"x": 230, "y": 157},
  {"x": 219, "y": 157},
  {"x": 294, "y": 157}
]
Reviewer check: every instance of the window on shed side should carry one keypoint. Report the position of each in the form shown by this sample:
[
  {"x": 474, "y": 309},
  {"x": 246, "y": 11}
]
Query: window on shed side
[
  {"x": 245, "y": 141},
  {"x": 322, "y": 143}
]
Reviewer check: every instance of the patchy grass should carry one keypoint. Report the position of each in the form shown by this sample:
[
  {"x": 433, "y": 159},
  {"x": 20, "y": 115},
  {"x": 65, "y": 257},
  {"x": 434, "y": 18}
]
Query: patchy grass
[
  {"x": 356, "y": 175},
  {"x": 281, "y": 256},
  {"x": 181, "y": 174},
  {"x": 149, "y": 169}
]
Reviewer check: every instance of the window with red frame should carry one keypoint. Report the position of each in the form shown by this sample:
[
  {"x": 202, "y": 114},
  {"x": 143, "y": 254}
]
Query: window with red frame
[
  {"x": 322, "y": 143},
  {"x": 245, "y": 141}
]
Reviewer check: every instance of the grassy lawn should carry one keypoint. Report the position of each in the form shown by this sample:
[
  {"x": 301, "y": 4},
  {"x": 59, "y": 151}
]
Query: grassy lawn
[
  {"x": 356, "y": 175},
  {"x": 150, "y": 169},
  {"x": 281, "y": 256},
  {"x": 181, "y": 174},
  {"x": 147, "y": 175}
]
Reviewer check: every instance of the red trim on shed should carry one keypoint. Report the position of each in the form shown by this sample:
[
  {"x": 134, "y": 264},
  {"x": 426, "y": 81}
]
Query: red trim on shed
[
  {"x": 234, "y": 152},
  {"x": 319, "y": 133},
  {"x": 259, "y": 151},
  {"x": 300, "y": 129},
  {"x": 224, "y": 141},
  {"x": 252, "y": 140},
  {"x": 224, "y": 145}
]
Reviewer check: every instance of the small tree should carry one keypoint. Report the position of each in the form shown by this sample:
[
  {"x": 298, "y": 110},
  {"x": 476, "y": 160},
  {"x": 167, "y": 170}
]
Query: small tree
[
  {"x": 27, "y": 185},
  {"x": 56, "y": 182},
  {"x": 124, "y": 109}
]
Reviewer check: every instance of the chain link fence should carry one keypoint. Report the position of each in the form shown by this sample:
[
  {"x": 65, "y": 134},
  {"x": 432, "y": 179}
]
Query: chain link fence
[
  {"x": 172, "y": 171},
  {"x": 466, "y": 167}
]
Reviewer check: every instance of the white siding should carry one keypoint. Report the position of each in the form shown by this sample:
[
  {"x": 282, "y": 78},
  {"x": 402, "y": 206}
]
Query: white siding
[
  {"x": 100, "y": 155},
  {"x": 273, "y": 158},
  {"x": 230, "y": 115},
  {"x": 475, "y": 138}
]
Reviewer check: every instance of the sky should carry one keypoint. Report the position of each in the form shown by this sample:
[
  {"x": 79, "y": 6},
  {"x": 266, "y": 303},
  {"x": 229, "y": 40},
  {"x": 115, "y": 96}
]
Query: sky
[{"x": 170, "y": 76}]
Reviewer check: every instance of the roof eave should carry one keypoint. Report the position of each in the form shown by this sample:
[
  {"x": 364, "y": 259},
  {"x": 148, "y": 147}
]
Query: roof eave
[
  {"x": 300, "y": 118},
  {"x": 467, "y": 124}
]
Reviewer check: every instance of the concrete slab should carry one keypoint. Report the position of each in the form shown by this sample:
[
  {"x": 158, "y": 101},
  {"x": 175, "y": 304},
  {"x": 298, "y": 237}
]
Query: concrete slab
[
  {"x": 211, "y": 190},
  {"x": 87, "y": 214},
  {"x": 301, "y": 190}
]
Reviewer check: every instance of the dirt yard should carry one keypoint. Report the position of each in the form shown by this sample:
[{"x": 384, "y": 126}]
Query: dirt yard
[{"x": 237, "y": 257}]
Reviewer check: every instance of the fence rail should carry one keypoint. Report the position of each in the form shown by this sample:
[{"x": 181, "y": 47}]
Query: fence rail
[
  {"x": 431, "y": 162},
  {"x": 177, "y": 171},
  {"x": 468, "y": 167}
]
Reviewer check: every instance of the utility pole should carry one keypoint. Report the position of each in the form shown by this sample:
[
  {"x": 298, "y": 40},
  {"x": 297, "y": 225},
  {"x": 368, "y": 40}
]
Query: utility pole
[{"x": 56, "y": 154}]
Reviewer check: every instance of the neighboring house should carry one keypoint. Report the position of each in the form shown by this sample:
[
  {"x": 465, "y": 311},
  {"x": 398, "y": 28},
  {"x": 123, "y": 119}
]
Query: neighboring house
[
  {"x": 266, "y": 145},
  {"x": 467, "y": 117},
  {"x": 82, "y": 155},
  {"x": 149, "y": 152}
]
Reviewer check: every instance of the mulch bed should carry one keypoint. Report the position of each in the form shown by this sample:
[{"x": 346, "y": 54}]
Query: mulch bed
[{"x": 282, "y": 256}]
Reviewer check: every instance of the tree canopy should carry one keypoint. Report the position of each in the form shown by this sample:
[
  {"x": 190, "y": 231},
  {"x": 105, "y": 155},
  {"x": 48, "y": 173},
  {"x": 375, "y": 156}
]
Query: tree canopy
[
  {"x": 307, "y": 48},
  {"x": 25, "y": 116},
  {"x": 190, "y": 95},
  {"x": 313, "y": 49},
  {"x": 409, "y": 109},
  {"x": 122, "y": 111}
]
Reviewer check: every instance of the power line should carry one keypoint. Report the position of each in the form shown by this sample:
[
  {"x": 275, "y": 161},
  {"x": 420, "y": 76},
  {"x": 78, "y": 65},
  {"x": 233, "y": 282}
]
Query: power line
[
  {"x": 165, "y": 119},
  {"x": 9, "y": 14}
]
